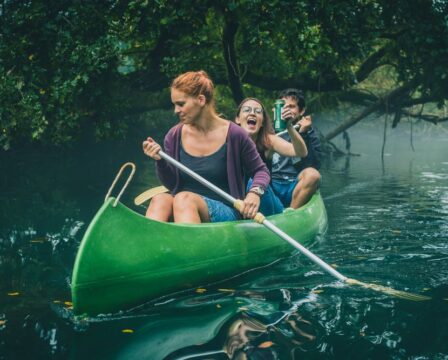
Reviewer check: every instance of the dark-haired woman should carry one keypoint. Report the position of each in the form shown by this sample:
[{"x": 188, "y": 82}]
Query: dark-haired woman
[{"x": 252, "y": 116}]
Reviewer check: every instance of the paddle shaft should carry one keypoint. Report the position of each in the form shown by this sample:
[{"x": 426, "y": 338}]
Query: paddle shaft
[{"x": 265, "y": 222}]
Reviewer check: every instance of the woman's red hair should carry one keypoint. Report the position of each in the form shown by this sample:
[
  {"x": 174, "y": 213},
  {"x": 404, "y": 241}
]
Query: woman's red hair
[{"x": 195, "y": 83}]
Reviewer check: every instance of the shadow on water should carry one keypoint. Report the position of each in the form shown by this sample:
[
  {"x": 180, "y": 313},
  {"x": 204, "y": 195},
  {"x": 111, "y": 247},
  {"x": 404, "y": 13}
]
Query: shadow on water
[{"x": 388, "y": 228}]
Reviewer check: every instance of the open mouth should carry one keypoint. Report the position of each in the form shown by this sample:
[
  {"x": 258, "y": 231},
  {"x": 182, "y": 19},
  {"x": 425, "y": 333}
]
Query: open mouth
[{"x": 251, "y": 122}]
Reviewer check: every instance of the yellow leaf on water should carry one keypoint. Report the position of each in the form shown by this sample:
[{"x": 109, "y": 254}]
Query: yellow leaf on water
[
  {"x": 334, "y": 265},
  {"x": 13, "y": 293},
  {"x": 127, "y": 331},
  {"x": 218, "y": 306},
  {"x": 57, "y": 301},
  {"x": 226, "y": 290},
  {"x": 317, "y": 291},
  {"x": 201, "y": 290},
  {"x": 42, "y": 91},
  {"x": 2, "y": 322},
  {"x": 265, "y": 344},
  {"x": 243, "y": 308},
  {"x": 31, "y": 57},
  {"x": 68, "y": 303}
]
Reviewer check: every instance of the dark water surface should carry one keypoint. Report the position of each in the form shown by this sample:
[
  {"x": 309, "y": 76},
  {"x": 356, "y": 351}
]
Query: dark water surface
[{"x": 388, "y": 224}]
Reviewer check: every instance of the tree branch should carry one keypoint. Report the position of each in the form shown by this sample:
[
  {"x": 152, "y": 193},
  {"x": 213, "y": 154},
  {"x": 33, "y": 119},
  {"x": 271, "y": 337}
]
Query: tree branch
[
  {"x": 373, "y": 62},
  {"x": 388, "y": 99},
  {"x": 302, "y": 82}
]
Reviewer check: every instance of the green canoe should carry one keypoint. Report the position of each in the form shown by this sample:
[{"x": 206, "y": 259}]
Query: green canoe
[{"x": 126, "y": 259}]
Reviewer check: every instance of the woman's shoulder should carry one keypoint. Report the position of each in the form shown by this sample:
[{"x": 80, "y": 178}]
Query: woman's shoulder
[
  {"x": 237, "y": 131},
  {"x": 174, "y": 131}
]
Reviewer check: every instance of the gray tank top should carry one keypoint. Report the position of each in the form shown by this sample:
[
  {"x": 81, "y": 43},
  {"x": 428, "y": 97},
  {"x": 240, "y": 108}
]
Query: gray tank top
[{"x": 212, "y": 167}]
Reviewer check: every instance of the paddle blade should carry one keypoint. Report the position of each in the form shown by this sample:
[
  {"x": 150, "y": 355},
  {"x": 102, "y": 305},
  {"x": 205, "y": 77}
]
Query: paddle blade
[
  {"x": 149, "y": 194},
  {"x": 389, "y": 290}
]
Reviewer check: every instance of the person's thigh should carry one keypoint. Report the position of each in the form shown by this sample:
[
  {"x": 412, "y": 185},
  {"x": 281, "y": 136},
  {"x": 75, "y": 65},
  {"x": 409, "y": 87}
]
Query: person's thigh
[{"x": 219, "y": 212}]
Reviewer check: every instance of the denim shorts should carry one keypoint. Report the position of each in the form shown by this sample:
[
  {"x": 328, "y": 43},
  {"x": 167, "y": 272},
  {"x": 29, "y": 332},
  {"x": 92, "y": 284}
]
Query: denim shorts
[
  {"x": 284, "y": 189},
  {"x": 270, "y": 204},
  {"x": 218, "y": 211}
]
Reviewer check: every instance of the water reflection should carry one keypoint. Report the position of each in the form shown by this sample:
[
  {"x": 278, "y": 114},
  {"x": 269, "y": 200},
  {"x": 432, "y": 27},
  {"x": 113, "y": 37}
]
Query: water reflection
[{"x": 246, "y": 337}]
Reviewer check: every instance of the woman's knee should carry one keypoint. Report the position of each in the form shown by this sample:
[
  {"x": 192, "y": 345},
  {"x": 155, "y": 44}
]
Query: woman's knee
[
  {"x": 185, "y": 199},
  {"x": 160, "y": 207},
  {"x": 162, "y": 200},
  {"x": 188, "y": 206}
]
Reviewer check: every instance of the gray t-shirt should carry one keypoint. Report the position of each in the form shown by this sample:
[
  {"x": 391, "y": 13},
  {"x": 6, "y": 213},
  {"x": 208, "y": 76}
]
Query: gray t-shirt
[
  {"x": 287, "y": 168},
  {"x": 283, "y": 166}
]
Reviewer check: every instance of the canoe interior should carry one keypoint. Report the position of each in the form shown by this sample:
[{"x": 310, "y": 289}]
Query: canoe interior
[{"x": 126, "y": 259}]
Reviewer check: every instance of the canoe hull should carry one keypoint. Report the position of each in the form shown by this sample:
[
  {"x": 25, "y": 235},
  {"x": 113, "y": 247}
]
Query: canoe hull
[{"x": 125, "y": 259}]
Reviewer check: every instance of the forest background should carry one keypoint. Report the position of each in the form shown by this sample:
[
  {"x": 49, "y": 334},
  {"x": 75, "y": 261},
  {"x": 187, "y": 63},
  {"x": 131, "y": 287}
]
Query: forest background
[{"x": 71, "y": 68}]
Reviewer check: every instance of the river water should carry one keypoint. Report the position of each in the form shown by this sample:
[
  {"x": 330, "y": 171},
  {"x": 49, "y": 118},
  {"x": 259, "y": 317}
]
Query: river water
[{"x": 388, "y": 224}]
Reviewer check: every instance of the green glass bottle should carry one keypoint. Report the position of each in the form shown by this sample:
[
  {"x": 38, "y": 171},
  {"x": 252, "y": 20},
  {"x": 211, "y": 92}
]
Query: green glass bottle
[{"x": 279, "y": 123}]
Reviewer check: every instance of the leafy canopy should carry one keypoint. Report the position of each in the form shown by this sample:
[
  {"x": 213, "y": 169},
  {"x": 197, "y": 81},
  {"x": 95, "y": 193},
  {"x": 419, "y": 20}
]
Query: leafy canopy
[{"x": 68, "y": 67}]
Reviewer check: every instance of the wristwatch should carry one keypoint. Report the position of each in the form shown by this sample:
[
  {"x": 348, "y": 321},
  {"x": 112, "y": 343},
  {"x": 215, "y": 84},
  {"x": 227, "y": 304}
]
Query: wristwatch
[{"x": 258, "y": 190}]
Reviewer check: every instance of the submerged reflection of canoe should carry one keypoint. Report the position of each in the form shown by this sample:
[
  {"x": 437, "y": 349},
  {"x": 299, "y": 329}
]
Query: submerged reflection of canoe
[{"x": 125, "y": 259}]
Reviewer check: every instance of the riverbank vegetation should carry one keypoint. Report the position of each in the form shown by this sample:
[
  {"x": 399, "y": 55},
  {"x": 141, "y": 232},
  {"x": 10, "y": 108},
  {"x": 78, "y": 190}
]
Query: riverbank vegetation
[{"x": 69, "y": 67}]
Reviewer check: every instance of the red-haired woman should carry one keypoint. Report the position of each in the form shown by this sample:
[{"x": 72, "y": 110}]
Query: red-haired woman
[{"x": 213, "y": 147}]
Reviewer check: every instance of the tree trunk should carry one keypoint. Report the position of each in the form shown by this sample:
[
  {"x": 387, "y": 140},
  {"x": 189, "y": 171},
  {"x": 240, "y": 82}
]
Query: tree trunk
[{"x": 233, "y": 71}]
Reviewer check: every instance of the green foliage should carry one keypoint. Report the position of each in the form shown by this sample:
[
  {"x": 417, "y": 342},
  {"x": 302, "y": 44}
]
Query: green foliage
[{"x": 70, "y": 67}]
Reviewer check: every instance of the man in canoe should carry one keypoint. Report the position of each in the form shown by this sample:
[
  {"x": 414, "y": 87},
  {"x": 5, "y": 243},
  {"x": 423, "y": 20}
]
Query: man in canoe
[
  {"x": 295, "y": 182},
  {"x": 211, "y": 146},
  {"x": 252, "y": 116}
]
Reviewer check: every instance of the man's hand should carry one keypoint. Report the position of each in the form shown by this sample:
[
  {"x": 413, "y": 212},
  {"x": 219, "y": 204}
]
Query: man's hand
[
  {"x": 287, "y": 114},
  {"x": 305, "y": 124}
]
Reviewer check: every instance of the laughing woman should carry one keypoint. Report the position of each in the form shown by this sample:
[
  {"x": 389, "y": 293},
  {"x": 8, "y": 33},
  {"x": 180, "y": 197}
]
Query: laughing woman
[
  {"x": 214, "y": 148},
  {"x": 252, "y": 116}
]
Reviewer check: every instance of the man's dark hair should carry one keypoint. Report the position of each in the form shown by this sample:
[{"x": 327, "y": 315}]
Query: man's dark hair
[{"x": 295, "y": 94}]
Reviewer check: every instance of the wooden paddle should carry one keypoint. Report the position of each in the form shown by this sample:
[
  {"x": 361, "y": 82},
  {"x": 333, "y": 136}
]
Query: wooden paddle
[
  {"x": 149, "y": 194},
  {"x": 260, "y": 218}
]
